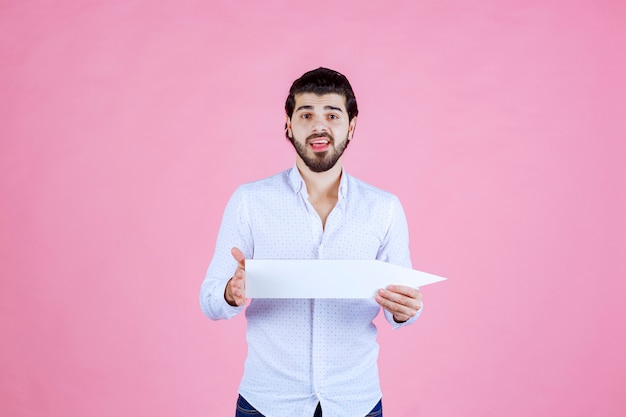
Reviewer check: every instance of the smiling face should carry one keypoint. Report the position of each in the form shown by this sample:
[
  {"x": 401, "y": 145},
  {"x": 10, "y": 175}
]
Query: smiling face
[{"x": 320, "y": 129}]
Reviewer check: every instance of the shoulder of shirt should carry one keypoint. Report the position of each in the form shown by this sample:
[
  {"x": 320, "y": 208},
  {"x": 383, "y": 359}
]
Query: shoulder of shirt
[
  {"x": 276, "y": 182},
  {"x": 365, "y": 189}
]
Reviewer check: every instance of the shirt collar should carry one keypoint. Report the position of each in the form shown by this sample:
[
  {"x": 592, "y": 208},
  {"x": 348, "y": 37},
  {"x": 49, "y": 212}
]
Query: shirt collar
[
  {"x": 295, "y": 179},
  {"x": 297, "y": 182}
]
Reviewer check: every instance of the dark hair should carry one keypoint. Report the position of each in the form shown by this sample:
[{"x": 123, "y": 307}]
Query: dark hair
[{"x": 322, "y": 81}]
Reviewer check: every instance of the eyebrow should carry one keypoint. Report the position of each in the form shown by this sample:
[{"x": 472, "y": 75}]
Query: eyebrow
[{"x": 307, "y": 107}]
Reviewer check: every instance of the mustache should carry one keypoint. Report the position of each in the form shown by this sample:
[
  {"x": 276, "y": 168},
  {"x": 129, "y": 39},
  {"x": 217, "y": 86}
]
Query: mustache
[{"x": 320, "y": 135}]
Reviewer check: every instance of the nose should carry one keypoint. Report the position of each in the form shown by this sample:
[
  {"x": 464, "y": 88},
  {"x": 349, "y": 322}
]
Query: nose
[{"x": 319, "y": 124}]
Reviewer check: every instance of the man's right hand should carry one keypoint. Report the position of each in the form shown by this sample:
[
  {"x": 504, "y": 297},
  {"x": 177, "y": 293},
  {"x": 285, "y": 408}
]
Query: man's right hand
[{"x": 235, "y": 292}]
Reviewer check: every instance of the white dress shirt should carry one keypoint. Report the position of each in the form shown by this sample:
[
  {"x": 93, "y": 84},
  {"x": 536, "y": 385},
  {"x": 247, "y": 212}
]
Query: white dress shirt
[{"x": 305, "y": 351}]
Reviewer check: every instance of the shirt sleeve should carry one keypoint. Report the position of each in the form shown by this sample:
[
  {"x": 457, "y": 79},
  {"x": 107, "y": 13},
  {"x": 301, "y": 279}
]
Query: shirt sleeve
[
  {"x": 234, "y": 232},
  {"x": 395, "y": 250}
]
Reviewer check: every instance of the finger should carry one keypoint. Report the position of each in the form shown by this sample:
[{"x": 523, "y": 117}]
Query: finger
[
  {"x": 239, "y": 257},
  {"x": 405, "y": 295},
  {"x": 397, "y": 303},
  {"x": 230, "y": 293},
  {"x": 236, "y": 292},
  {"x": 413, "y": 298},
  {"x": 239, "y": 282},
  {"x": 404, "y": 290},
  {"x": 399, "y": 313}
]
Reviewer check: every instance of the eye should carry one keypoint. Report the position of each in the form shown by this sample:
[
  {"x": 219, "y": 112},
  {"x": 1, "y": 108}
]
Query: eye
[
  {"x": 305, "y": 116},
  {"x": 333, "y": 116}
]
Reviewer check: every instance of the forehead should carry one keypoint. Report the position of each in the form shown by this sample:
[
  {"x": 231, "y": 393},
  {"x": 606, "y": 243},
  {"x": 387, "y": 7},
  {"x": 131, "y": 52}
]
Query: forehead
[{"x": 312, "y": 100}]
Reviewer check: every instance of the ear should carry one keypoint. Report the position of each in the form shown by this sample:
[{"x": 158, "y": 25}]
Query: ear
[
  {"x": 288, "y": 132},
  {"x": 351, "y": 128}
]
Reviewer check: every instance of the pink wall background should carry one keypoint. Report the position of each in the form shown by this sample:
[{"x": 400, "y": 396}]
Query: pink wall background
[{"x": 125, "y": 126}]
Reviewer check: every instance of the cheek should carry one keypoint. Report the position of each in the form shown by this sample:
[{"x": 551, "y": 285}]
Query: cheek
[{"x": 300, "y": 130}]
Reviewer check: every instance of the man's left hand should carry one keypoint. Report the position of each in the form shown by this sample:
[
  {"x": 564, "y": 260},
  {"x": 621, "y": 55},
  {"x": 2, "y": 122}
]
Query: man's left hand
[{"x": 401, "y": 301}]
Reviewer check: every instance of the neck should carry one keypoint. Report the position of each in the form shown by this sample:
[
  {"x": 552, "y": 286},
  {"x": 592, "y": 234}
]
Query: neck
[{"x": 320, "y": 184}]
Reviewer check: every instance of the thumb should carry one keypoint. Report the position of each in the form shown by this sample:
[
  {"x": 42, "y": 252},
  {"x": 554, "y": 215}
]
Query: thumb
[{"x": 239, "y": 257}]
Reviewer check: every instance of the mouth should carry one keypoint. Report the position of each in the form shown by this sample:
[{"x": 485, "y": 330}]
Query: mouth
[{"x": 319, "y": 144}]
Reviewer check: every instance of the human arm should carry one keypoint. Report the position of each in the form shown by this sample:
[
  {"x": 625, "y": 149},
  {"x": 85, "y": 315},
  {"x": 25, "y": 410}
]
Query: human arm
[
  {"x": 228, "y": 263},
  {"x": 401, "y": 304}
]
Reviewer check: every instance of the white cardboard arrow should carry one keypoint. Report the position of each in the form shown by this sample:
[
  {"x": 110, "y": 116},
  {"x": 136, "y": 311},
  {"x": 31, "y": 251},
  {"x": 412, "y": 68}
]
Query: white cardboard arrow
[{"x": 327, "y": 278}]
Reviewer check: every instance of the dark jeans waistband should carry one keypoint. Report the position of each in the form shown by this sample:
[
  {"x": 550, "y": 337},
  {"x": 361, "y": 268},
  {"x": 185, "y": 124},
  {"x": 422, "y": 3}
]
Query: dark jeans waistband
[{"x": 244, "y": 409}]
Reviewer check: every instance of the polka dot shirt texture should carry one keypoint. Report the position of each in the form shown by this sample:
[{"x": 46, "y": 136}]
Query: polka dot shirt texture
[{"x": 305, "y": 351}]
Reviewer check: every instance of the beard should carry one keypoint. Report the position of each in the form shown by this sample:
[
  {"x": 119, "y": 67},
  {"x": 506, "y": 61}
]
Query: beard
[{"x": 320, "y": 161}]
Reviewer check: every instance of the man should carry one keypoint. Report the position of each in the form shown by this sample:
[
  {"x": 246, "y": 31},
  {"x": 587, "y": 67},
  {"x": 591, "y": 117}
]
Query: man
[{"x": 308, "y": 356}]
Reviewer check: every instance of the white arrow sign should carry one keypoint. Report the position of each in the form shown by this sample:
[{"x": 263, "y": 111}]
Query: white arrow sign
[{"x": 327, "y": 278}]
